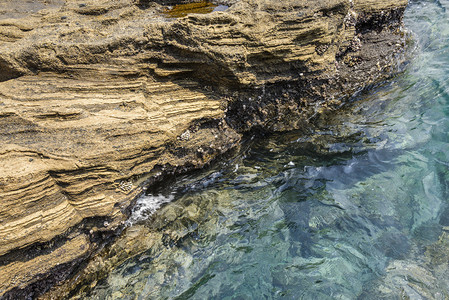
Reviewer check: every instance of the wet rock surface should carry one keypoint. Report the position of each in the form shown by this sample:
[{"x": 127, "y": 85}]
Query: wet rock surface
[{"x": 98, "y": 97}]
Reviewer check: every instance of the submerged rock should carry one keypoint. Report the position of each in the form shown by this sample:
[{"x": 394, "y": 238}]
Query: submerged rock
[{"x": 98, "y": 97}]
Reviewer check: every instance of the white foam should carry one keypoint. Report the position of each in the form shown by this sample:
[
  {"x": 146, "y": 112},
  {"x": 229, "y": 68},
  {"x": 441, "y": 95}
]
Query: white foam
[{"x": 146, "y": 206}]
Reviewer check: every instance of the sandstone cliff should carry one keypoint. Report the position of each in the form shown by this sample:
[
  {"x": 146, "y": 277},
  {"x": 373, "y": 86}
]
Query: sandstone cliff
[{"x": 98, "y": 97}]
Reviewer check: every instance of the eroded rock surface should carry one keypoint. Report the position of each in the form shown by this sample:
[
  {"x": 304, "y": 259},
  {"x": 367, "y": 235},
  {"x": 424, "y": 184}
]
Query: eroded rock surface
[{"x": 96, "y": 97}]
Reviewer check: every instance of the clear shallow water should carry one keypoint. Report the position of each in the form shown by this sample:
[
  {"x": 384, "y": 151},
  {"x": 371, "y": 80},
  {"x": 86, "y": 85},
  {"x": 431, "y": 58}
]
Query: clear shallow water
[{"x": 356, "y": 210}]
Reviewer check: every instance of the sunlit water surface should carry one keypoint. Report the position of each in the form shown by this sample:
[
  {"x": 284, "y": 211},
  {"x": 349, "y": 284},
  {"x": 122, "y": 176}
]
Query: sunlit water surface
[{"x": 356, "y": 210}]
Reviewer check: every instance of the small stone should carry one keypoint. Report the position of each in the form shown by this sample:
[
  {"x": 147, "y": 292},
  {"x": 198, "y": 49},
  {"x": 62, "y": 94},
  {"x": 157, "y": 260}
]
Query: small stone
[{"x": 185, "y": 136}]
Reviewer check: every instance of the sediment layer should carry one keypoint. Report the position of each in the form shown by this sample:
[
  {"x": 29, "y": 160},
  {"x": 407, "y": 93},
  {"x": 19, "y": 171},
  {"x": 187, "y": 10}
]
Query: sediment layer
[{"x": 97, "y": 97}]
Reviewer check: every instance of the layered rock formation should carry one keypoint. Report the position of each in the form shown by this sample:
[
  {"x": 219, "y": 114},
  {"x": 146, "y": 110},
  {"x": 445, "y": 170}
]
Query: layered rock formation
[{"x": 97, "y": 97}]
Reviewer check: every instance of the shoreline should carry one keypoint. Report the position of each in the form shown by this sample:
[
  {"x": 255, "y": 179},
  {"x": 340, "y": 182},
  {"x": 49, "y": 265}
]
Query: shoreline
[{"x": 91, "y": 113}]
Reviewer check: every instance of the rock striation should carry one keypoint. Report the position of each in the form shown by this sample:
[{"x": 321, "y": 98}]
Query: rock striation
[{"x": 99, "y": 97}]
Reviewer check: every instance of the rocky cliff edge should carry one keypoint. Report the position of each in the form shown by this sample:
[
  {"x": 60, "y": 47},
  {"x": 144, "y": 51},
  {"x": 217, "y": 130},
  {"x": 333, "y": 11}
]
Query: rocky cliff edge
[{"x": 98, "y": 98}]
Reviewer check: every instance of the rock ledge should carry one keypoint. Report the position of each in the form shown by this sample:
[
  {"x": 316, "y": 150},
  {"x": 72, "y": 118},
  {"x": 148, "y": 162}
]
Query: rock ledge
[{"x": 99, "y": 97}]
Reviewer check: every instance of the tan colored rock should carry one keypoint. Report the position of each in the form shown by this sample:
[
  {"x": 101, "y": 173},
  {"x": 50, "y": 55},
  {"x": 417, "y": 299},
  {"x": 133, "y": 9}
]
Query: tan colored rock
[
  {"x": 67, "y": 144},
  {"x": 96, "y": 97},
  {"x": 18, "y": 274},
  {"x": 74, "y": 149}
]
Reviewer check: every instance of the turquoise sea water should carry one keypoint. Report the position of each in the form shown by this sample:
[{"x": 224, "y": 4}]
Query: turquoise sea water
[{"x": 357, "y": 209}]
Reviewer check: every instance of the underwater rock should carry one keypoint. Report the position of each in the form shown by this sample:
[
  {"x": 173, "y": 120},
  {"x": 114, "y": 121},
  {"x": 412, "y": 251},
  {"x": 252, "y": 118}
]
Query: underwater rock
[
  {"x": 423, "y": 276},
  {"x": 98, "y": 97}
]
